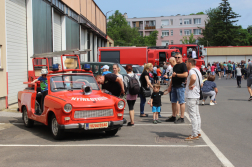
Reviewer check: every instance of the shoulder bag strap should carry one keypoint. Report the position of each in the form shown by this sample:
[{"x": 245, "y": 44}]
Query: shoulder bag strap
[{"x": 198, "y": 78}]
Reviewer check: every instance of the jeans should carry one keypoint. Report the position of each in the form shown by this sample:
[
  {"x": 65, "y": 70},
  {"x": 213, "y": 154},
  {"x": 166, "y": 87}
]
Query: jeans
[
  {"x": 211, "y": 94},
  {"x": 178, "y": 95},
  {"x": 238, "y": 78},
  {"x": 193, "y": 110},
  {"x": 142, "y": 103}
]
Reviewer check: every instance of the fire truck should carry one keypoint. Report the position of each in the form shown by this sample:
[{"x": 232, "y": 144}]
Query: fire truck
[
  {"x": 135, "y": 55},
  {"x": 186, "y": 51}
]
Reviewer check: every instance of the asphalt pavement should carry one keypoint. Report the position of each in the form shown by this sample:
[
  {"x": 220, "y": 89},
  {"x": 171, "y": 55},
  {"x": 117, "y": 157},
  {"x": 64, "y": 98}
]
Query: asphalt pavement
[{"x": 225, "y": 138}]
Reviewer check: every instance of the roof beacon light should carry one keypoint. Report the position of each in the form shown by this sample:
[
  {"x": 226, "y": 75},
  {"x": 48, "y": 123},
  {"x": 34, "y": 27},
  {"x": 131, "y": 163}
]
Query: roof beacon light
[{"x": 87, "y": 67}]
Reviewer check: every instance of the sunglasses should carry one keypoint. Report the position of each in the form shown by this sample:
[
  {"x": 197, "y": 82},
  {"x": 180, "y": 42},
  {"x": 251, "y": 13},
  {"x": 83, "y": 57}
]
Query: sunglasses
[{"x": 177, "y": 57}]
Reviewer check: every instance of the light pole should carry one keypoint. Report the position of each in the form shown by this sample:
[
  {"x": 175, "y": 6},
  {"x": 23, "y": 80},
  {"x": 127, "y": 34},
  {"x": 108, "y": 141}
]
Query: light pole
[{"x": 106, "y": 20}]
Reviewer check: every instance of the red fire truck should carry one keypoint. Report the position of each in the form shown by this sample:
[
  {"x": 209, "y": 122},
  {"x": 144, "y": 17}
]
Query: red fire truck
[
  {"x": 135, "y": 55},
  {"x": 186, "y": 51}
]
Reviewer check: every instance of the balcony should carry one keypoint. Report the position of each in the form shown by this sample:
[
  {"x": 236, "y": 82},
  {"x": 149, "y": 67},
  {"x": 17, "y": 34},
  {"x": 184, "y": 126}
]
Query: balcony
[{"x": 150, "y": 27}]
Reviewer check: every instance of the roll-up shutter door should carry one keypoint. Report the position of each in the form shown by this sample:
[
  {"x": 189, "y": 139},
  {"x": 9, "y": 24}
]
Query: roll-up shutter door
[
  {"x": 16, "y": 47},
  {"x": 57, "y": 35}
]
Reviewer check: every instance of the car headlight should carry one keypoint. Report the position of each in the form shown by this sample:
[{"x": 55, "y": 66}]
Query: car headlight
[
  {"x": 120, "y": 105},
  {"x": 68, "y": 108}
]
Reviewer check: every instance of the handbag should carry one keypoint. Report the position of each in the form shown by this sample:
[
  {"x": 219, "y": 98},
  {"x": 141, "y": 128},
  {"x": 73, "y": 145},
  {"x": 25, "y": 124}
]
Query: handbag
[
  {"x": 146, "y": 92},
  {"x": 201, "y": 94}
]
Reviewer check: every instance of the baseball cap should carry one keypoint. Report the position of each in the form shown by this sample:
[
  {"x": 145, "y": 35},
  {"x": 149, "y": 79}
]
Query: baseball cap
[{"x": 105, "y": 67}]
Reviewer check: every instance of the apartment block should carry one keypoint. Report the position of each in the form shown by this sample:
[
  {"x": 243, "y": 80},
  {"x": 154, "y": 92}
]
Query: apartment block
[{"x": 171, "y": 29}]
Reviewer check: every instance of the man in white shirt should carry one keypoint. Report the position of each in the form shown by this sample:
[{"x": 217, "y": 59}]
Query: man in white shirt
[
  {"x": 192, "y": 95},
  {"x": 194, "y": 54}
]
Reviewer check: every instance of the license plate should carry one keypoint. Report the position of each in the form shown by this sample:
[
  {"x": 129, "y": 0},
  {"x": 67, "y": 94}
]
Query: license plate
[{"x": 96, "y": 125}]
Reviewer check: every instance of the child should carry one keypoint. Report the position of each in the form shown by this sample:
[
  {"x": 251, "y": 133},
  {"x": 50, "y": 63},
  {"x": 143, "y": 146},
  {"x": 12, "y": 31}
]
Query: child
[
  {"x": 158, "y": 74},
  {"x": 238, "y": 76},
  {"x": 155, "y": 102}
]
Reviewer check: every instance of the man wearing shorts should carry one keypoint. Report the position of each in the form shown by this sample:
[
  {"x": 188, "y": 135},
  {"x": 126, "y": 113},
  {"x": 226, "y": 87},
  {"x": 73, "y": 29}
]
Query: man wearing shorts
[
  {"x": 249, "y": 80},
  {"x": 229, "y": 70},
  {"x": 177, "y": 88}
]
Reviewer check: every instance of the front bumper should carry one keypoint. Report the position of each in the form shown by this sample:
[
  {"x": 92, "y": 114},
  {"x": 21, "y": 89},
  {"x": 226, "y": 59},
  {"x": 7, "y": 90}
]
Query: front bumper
[{"x": 82, "y": 125}]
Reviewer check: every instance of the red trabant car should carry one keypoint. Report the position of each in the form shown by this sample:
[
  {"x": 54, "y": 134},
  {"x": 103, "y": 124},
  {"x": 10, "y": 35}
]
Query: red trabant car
[{"x": 74, "y": 100}]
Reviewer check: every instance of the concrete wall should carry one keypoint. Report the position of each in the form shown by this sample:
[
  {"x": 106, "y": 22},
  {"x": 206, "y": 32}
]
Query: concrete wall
[{"x": 3, "y": 72}]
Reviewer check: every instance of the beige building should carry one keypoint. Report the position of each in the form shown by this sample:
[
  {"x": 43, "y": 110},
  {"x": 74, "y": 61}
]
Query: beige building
[
  {"x": 38, "y": 26},
  {"x": 110, "y": 42}
]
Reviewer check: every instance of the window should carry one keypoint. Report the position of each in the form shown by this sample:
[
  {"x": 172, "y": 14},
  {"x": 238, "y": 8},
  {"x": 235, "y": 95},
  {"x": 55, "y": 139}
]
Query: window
[
  {"x": 180, "y": 42},
  {"x": 171, "y": 32},
  {"x": 165, "y": 43},
  {"x": 165, "y": 33},
  {"x": 181, "y": 33},
  {"x": 140, "y": 33},
  {"x": 197, "y": 21},
  {"x": 187, "y": 21},
  {"x": 171, "y": 22},
  {"x": 171, "y": 42},
  {"x": 128, "y": 22},
  {"x": 134, "y": 24},
  {"x": 164, "y": 22},
  {"x": 197, "y": 41},
  {"x": 197, "y": 31},
  {"x": 188, "y": 32},
  {"x": 180, "y": 21}
]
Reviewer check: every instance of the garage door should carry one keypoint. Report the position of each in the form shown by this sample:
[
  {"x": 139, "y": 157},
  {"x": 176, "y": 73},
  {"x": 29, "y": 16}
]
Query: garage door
[
  {"x": 56, "y": 35},
  {"x": 16, "y": 47}
]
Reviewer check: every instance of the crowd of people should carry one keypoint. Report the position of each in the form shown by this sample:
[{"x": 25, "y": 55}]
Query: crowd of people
[{"x": 186, "y": 87}]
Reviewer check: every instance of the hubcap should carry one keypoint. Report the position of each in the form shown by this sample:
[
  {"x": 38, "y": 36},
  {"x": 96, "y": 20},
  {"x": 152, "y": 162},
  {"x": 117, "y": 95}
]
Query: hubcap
[
  {"x": 25, "y": 117},
  {"x": 54, "y": 126}
]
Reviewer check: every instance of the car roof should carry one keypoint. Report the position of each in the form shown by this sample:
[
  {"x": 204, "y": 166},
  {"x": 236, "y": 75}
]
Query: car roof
[{"x": 136, "y": 65}]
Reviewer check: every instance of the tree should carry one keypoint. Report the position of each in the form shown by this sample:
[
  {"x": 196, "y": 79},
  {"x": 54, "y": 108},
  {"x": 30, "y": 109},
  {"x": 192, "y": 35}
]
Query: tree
[
  {"x": 199, "y": 13},
  {"x": 190, "y": 40},
  {"x": 123, "y": 35},
  {"x": 220, "y": 26}
]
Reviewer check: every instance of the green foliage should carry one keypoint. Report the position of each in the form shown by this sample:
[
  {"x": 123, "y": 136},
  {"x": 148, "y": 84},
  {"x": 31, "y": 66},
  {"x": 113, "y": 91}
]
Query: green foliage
[
  {"x": 249, "y": 29},
  {"x": 199, "y": 13},
  {"x": 189, "y": 40},
  {"x": 219, "y": 28},
  {"x": 123, "y": 35}
]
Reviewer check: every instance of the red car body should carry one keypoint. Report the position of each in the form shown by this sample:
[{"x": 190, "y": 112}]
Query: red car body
[{"x": 95, "y": 110}]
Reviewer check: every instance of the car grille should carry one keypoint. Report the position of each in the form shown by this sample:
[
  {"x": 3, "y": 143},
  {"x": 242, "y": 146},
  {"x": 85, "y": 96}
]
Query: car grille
[{"x": 93, "y": 113}]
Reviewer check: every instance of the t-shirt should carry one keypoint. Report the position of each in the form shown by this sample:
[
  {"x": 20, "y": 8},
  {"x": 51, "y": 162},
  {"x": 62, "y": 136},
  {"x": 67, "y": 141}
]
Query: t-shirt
[
  {"x": 195, "y": 93},
  {"x": 194, "y": 54},
  {"x": 249, "y": 72},
  {"x": 143, "y": 80},
  {"x": 158, "y": 72},
  {"x": 229, "y": 66},
  {"x": 120, "y": 76},
  {"x": 179, "y": 69},
  {"x": 43, "y": 84},
  {"x": 156, "y": 96},
  {"x": 238, "y": 70},
  {"x": 111, "y": 85},
  {"x": 208, "y": 86},
  {"x": 213, "y": 68},
  {"x": 106, "y": 72}
]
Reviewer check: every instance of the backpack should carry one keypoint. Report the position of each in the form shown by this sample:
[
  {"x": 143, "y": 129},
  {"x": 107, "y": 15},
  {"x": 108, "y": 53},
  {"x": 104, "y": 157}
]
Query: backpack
[{"x": 133, "y": 86}]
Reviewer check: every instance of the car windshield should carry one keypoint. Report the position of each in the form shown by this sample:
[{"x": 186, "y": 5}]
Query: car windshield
[
  {"x": 72, "y": 82},
  {"x": 122, "y": 70}
]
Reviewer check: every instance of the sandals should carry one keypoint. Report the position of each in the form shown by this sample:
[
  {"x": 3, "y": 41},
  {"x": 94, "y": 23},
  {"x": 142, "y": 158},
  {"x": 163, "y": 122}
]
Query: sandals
[
  {"x": 146, "y": 115},
  {"x": 129, "y": 124}
]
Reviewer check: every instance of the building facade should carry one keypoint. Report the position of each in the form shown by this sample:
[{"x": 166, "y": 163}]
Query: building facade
[
  {"x": 38, "y": 26},
  {"x": 171, "y": 29}
]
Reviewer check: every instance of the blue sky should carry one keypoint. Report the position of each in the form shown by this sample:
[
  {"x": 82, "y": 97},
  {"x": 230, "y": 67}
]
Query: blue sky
[{"x": 156, "y": 8}]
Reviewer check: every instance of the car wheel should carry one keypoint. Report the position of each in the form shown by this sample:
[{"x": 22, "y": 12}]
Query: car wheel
[
  {"x": 111, "y": 132},
  {"x": 27, "y": 122},
  {"x": 56, "y": 132}
]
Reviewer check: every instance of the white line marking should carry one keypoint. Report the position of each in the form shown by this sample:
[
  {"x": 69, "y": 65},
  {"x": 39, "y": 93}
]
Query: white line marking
[
  {"x": 216, "y": 151},
  {"x": 97, "y": 145},
  {"x": 162, "y": 124}
]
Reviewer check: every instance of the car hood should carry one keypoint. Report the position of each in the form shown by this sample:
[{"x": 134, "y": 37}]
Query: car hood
[{"x": 96, "y": 99}]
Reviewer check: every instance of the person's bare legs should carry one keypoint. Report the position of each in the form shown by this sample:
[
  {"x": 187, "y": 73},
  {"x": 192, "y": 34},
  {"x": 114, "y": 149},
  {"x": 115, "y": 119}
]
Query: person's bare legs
[
  {"x": 219, "y": 74},
  {"x": 174, "y": 109},
  {"x": 182, "y": 108},
  {"x": 131, "y": 113},
  {"x": 250, "y": 91},
  {"x": 178, "y": 109}
]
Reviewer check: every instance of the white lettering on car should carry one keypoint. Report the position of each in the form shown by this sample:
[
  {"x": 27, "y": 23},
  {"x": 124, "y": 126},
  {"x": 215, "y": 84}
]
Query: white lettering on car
[{"x": 89, "y": 99}]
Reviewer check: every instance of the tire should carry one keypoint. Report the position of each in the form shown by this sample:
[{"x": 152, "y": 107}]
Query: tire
[
  {"x": 27, "y": 122},
  {"x": 57, "y": 133},
  {"x": 112, "y": 132}
]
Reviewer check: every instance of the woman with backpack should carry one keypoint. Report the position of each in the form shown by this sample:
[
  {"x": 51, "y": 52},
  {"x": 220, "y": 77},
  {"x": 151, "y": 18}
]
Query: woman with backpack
[
  {"x": 132, "y": 85},
  {"x": 145, "y": 86}
]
